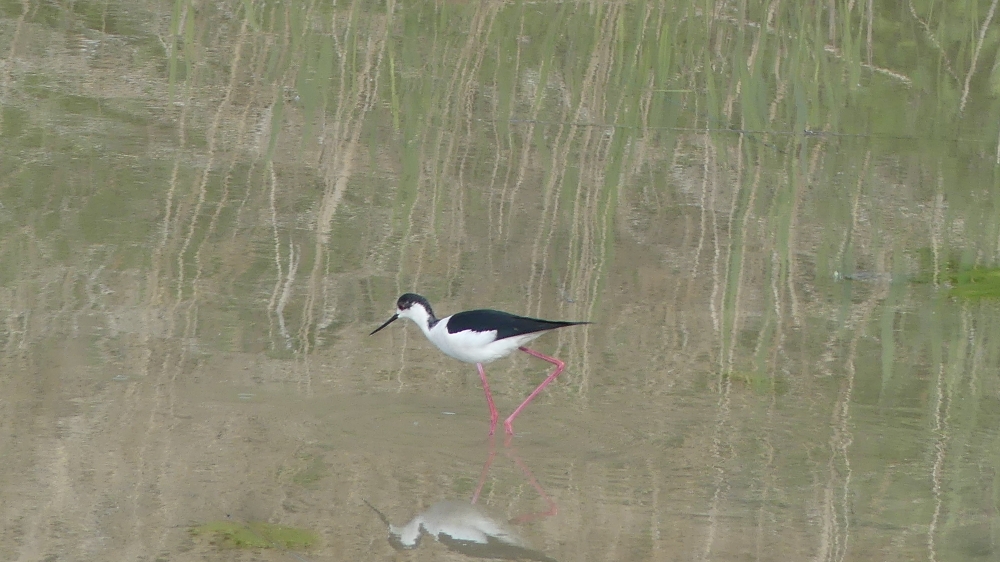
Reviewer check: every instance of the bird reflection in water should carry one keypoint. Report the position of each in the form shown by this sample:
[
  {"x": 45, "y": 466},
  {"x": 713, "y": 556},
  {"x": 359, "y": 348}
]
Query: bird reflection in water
[{"x": 465, "y": 527}]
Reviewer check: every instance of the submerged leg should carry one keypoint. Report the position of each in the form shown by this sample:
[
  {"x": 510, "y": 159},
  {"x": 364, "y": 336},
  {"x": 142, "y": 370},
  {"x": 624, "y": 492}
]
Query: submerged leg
[
  {"x": 559, "y": 368},
  {"x": 485, "y": 471},
  {"x": 489, "y": 399},
  {"x": 553, "y": 508}
]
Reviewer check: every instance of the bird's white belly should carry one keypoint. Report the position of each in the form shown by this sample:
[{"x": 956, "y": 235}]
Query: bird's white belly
[{"x": 477, "y": 347}]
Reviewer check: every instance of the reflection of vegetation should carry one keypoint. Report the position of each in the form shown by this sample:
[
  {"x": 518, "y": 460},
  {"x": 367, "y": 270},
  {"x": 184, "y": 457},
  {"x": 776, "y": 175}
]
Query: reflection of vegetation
[
  {"x": 761, "y": 382},
  {"x": 464, "y": 486},
  {"x": 311, "y": 473},
  {"x": 255, "y": 534}
]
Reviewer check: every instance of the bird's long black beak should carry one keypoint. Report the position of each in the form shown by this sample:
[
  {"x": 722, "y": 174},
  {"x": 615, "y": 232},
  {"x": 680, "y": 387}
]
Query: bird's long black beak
[{"x": 387, "y": 322}]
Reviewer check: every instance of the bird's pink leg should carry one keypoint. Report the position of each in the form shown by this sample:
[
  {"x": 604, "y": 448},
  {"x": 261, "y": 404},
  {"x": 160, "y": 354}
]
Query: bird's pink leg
[
  {"x": 494, "y": 415},
  {"x": 507, "y": 424}
]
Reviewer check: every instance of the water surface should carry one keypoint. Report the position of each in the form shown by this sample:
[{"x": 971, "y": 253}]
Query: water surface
[{"x": 205, "y": 209}]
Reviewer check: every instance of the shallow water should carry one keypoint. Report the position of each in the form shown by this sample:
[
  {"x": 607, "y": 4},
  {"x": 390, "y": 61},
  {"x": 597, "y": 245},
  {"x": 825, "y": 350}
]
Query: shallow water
[{"x": 206, "y": 210}]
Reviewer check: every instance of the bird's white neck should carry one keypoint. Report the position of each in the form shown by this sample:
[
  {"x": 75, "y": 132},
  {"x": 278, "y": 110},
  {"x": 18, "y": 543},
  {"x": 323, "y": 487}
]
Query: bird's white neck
[{"x": 421, "y": 317}]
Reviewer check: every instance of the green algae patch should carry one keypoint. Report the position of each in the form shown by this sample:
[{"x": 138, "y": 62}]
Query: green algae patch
[
  {"x": 964, "y": 280},
  {"x": 255, "y": 534},
  {"x": 976, "y": 283}
]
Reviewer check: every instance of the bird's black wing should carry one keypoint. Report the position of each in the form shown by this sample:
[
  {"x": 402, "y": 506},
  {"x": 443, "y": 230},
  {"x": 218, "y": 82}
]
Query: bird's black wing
[{"x": 506, "y": 324}]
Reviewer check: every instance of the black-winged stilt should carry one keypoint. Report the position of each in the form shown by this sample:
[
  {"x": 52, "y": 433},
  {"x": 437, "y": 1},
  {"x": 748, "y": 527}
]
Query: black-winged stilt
[{"x": 481, "y": 336}]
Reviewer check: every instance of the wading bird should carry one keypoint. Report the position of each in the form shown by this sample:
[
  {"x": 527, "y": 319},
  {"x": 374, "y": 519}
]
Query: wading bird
[{"x": 481, "y": 336}]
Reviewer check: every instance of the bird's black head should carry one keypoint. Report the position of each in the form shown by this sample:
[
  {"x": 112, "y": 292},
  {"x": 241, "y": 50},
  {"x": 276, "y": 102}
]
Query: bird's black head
[
  {"x": 404, "y": 305},
  {"x": 406, "y": 300}
]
